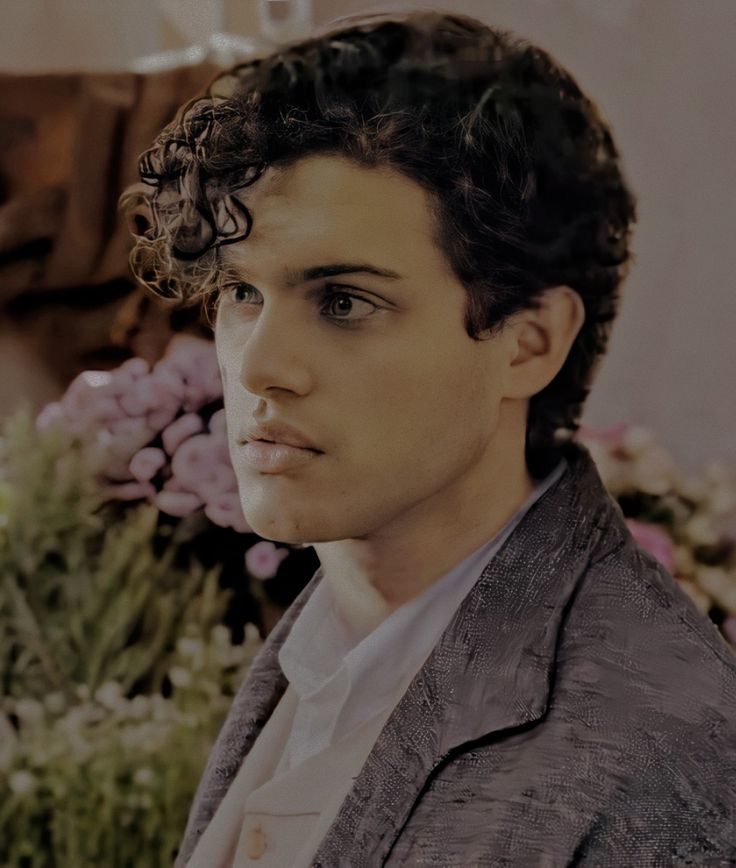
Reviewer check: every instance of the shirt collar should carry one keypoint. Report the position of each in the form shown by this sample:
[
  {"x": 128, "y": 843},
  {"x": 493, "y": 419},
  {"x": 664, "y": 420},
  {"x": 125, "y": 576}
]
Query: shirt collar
[{"x": 320, "y": 648}]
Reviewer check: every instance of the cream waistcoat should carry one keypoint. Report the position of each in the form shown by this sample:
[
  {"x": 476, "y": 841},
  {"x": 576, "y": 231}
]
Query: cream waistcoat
[{"x": 279, "y": 822}]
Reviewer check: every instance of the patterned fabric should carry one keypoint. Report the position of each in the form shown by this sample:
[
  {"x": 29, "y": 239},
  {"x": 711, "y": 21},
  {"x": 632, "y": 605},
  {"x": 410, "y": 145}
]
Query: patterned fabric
[{"x": 578, "y": 710}]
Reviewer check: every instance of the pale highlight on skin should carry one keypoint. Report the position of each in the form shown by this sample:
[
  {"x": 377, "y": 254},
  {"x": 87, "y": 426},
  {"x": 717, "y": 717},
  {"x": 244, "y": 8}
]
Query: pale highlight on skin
[{"x": 422, "y": 428}]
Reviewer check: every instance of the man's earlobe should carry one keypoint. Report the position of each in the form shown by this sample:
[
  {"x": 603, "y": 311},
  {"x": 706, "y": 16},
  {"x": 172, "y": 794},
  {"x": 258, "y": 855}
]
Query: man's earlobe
[{"x": 542, "y": 337}]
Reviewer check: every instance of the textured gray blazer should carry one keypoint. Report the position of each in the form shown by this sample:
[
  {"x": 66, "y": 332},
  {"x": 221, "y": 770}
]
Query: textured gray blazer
[{"x": 578, "y": 710}]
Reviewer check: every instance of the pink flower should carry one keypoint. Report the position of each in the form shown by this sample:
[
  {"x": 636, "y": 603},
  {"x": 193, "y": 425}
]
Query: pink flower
[
  {"x": 180, "y": 429},
  {"x": 130, "y": 491},
  {"x": 225, "y": 511},
  {"x": 120, "y": 440},
  {"x": 196, "y": 466},
  {"x": 655, "y": 540},
  {"x": 194, "y": 361},
  {"x": 217, "y": 424},
  {"x": 154, "y": 397},
  {"x": 50, "y": 415},
  {"x": 220, "y": 451},
  {"x": 132, "y": 370},
  {"x": 177, "y": 503},
  {"x": 611, "y": 437},
  {"x": 146, "y": 463},
  {"x": 262, "y": 560},
  {"x": 729, "y": 629},
  {"x": 91, "y": 401}
]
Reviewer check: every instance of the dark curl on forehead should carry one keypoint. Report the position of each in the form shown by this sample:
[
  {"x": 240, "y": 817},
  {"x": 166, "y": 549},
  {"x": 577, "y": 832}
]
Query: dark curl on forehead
[{"x": 524, "y": 178}]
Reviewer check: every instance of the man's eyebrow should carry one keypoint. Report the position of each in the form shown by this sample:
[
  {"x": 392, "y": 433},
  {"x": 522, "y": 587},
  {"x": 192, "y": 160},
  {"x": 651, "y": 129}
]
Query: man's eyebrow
[{"x": 294, "y": 277}]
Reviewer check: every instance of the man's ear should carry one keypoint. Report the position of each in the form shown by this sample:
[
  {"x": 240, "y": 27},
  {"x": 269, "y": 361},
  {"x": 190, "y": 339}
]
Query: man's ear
[{"x": 540, "y": 339}]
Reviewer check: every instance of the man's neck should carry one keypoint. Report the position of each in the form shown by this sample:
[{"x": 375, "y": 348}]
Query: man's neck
[{"x": 373, "y": 575}]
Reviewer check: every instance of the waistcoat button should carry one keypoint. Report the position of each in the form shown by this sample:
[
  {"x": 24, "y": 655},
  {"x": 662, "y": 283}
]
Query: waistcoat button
[{"x": 256, "y": 843}]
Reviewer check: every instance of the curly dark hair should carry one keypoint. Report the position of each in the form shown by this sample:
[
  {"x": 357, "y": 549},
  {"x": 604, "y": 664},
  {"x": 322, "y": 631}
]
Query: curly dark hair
[{"x": 524, "y": 178}]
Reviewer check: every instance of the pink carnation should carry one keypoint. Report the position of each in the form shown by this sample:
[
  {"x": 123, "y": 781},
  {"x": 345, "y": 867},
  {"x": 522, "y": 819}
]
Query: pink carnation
[
  {"x": 218, "y": 425},
  {"x": 50, "y": 415},
  {"x": 729, "y": 629},
  {"x": 178, "y": 503},
  {"x": 196, "y": 465},
  {"x": 121, "y": 439},
  {"x": 132, "y": 370},
  {"x": 146, "y": 463},
  {"x": 130, "y": 491},
  {"x": 193, "y": 361},
  {"x": 262, "y": 560},
  {"x": 179, "y": 430},
  {"x": 225, "y": 510},
  {"x": 91, "y": 401},
  {"x": 655, "y": 540}
]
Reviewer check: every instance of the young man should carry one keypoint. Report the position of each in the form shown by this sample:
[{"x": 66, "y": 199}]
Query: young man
[{"x": 414, "y": 229}]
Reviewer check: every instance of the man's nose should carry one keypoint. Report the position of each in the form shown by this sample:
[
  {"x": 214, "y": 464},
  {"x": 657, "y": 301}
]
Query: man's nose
[{"x": 274, "y": 354}]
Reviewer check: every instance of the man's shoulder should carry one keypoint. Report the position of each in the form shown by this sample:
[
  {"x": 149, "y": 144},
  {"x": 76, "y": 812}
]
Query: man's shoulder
[{"x": 635, "y": 647}]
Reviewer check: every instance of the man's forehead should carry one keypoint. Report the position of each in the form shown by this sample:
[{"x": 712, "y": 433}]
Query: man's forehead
[{"x": 326, "y": 215}]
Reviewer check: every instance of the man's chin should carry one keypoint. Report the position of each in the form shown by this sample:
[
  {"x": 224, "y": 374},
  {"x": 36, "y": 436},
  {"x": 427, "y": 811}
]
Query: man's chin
[{"x": 292, "y": 533}]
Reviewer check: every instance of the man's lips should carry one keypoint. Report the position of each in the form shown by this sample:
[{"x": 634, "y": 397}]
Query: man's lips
[
  {"x": 270, "y": 457},
  {"x": 276, "y": 433}
]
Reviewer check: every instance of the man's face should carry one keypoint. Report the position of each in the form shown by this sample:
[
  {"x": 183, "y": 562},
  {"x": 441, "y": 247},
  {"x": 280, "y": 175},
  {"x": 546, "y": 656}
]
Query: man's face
[{"x": 377, "y": 372}]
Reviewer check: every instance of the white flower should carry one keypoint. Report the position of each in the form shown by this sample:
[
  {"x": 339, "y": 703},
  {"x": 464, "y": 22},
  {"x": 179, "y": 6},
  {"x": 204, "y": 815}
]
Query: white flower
[
  {"x": 716, "y": 582},
  {"x": 697, "y": 595},
  {"x": 55, "y": 702},
  {"x": 700, "y": 531},
  {"x": 22, "y": 782},
  {"x": 722, "y": 499},
  {"x": 637, "y": 439},
  {"x": 144, "y": 776},
  {"x": 110, "y": 694},
  {"x": 693, "y": 488},
  {"x": 221, "y": 635},
  {"x": 684, "y": 560},
  {"x": 180, "y": 677},
  {"x": 653, "y": 471},
  {"x": 139, "y": 707},
  {"x": 252, "y": 636},
  {"x": 29, "y": 710},
  {"x": 161, "y": 709},
  {"x": 190, "y": 647}
]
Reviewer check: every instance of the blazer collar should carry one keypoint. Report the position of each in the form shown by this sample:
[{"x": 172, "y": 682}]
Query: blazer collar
[{"x": 491, "y": 670}]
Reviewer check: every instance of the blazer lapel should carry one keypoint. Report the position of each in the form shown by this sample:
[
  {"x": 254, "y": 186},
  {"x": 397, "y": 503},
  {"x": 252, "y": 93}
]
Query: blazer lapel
[{"x": 493, "y": 666}]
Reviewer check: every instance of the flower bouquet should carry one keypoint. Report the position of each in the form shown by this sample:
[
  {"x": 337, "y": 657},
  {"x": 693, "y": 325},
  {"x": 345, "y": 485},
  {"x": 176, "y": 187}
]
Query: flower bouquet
[{"x": 685, "y": 521}]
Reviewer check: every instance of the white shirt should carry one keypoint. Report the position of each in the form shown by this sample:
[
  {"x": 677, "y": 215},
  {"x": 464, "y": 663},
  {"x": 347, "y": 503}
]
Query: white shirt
[{"x": 342, "y": 679}]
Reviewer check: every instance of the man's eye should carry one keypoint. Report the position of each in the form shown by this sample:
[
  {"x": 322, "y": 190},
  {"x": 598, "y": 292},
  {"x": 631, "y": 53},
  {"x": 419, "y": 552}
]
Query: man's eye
[
  {"x": 240, "y": 292},
  {"x": 340, "y": 306}
]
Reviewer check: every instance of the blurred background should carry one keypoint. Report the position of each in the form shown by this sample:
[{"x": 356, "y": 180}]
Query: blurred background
[{"x": 85, "y": 86}]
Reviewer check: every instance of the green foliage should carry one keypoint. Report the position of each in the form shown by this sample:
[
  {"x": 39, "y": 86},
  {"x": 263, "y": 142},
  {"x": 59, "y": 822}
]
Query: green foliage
[{"x": 115, "y": 674}]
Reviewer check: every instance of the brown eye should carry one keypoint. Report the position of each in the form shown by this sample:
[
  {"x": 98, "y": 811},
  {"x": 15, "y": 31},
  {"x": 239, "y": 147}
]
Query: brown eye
[{"x": 339, "y": 306}]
